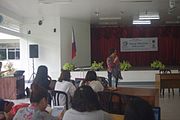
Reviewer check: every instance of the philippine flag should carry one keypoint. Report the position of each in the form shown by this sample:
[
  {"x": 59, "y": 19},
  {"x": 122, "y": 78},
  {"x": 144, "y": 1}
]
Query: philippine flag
[{"x": 73, "y": 45}]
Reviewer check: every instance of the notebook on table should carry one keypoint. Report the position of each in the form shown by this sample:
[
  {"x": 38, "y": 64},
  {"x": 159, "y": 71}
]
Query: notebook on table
[{"x": 57, "y": 110}]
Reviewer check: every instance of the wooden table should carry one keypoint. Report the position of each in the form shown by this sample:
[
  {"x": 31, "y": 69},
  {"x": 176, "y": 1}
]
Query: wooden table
[
  {"x": 167, "y": 80},
  {"x": 12, "y": 87},
  {"x": 115, "y": 100},
  {"x": 151, "y": 95}
]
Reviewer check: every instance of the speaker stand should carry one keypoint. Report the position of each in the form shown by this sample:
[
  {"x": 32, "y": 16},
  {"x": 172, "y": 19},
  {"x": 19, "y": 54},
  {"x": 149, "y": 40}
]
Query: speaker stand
[{"x": 33, "y": 73}]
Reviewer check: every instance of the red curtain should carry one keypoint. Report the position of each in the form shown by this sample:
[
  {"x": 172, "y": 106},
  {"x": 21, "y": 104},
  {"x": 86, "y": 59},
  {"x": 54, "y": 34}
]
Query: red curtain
[{"x": 104, "y": 38}]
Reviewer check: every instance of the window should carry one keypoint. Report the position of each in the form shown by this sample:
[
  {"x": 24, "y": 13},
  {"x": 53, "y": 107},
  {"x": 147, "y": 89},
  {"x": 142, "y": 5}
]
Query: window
[
  {"x": 9, "y": 51},
  {"x": 2, "y": 54}
]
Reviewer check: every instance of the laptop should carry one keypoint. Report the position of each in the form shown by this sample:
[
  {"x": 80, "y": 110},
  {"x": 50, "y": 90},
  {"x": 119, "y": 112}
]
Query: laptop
[{"x": 157, "y": 113}]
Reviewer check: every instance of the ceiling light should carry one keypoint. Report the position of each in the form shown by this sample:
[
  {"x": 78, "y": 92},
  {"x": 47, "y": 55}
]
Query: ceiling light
[
  {"x": 148, "y": 15},
  {"x": 110, "y": 18},
  {"x": 141, "y": 22},
  {"x": 172, "y": 22},
  {"x": 107, "y": 23}
]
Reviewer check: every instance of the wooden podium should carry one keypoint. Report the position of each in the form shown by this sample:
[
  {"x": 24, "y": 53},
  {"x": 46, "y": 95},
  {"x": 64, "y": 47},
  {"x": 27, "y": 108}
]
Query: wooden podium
[{"x": 12, "y": 87}]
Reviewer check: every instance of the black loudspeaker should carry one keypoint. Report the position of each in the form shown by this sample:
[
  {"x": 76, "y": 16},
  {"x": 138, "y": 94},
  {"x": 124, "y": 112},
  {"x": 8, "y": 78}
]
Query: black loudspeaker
[{"x": 33, "y": 51}]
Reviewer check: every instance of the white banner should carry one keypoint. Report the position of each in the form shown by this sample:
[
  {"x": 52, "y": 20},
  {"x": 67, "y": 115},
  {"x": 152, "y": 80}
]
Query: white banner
[{"x": 139, "y": 44}]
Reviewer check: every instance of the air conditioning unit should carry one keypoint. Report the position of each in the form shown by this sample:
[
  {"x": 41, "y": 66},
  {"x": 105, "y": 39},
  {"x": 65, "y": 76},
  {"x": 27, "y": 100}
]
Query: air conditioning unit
[{"x": 9, "y": 23}]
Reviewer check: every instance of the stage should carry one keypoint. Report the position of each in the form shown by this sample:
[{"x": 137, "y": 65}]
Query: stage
[{"x": 131, "y": 77}]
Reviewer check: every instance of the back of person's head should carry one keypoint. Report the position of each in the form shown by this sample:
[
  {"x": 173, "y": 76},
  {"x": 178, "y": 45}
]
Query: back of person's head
[
  {"x": 41, "y": 77},
  {"x": 85, "y": 99},
  {"x": 111, "y": 51},
  {"x": 90, "y": 76},
  {"x": 42, "y": 70},
  {"x": 139, "y": 109},
  {"x": 37, "y": 93},
  {"x": 65, "y": 75}
]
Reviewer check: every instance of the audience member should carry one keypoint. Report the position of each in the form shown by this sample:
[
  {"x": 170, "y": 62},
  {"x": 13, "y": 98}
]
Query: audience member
[
  {"x": 66, "y": 86},
  {"x": 5, "y": 107},
  {"x": 36, "y": 110},
  {"x": 138, "y": 109},
  {"x": 91, "y": 80},
  {"x": 85, "y": 106},
  {"x": 42, "y": 78}
]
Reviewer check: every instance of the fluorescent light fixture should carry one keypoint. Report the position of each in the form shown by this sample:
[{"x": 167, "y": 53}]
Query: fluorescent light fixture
[
  {"x": 108, "y": 23},
  {"x": 110, "y": 18},
  {"x": 141, "y": 22},
  {"x": 172, "y": 22},
  {"x": 54, "y": 1},
  {"x": 148, "y": 15}
]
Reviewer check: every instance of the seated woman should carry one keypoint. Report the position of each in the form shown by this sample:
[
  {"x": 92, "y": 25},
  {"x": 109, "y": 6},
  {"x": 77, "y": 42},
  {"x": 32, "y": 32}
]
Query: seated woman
[
  {"x": 5, "y": 107},
  {"x": 91, "y": 80},
  {"x": 42, "y": 78},
  {"x": 85, "y": 106},
  {"x": 66, "y": 86},
  {"x": 36, "y": 110}
]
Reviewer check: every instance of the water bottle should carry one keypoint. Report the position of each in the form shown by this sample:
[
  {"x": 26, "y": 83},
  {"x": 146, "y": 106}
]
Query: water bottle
[{"x": 113, "y": 82}]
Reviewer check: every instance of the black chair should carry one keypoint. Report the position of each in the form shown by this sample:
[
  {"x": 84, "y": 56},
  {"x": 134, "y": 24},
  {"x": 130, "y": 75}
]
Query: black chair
[
  {"x": 52, "y": 84},
  {"x": 56, "y": 95},
  {"x": 104, "y": 100},
  {"x": 110, "y": 102},
  {"x": 165, "y": 71},
  {"x": 78, "y": 81},
  {"x": 116, "y": 104},
  {"x": 104, "y": 81}
]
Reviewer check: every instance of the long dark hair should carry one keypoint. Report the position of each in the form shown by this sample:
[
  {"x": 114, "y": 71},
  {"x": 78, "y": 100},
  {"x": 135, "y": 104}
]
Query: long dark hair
[
  {"x": 37, "y": 93},
  {"x": 65, "y": 75},
  {"x": 85, "y": 99},
  {"x": 42, "y": 77},
  {"x": 90, "y": 76}
]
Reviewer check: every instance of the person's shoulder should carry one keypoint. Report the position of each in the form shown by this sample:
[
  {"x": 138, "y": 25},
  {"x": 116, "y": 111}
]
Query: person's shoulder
[
  {"x": 70, "y": 112},
  {"x": 96, "y": 82},
  {"x": 39, "y": 115}
]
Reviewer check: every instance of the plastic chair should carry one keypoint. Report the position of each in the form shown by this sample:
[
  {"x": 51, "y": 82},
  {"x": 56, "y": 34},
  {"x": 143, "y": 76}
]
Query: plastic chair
[{"x": 57, "y": 96}]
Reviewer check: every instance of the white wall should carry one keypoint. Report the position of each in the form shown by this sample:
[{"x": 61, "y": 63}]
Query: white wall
[
  {"x": 49, "y": 46},
  {"x": 54, "y": 47},
  {"x": 82, "y": 38}
]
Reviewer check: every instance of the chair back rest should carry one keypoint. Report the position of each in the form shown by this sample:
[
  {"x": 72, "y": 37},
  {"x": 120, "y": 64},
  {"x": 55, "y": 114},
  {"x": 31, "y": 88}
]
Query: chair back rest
[
  {"x": 78, "y": 81},
  {"x": 104, "y": 81},
  {"x": 56, "y": 95},
  {"x": 164, "y": 71},
  {"x": 104, "y": 100},
  {"x": 110, "y": 102},
  {"x": 52, "y": 84}
]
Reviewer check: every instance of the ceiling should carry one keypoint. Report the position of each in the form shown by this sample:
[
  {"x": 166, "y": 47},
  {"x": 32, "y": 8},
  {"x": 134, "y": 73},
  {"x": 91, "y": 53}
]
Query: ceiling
[{"x": 92, "y": 10}]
